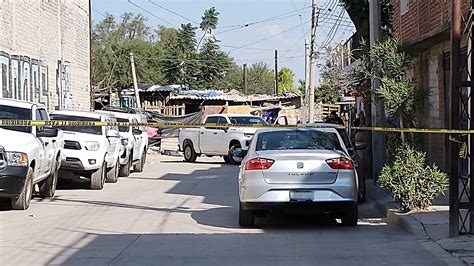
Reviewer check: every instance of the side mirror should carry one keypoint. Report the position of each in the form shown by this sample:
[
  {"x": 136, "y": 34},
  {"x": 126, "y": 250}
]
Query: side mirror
[
  {"x": 136, "y": 131},
  {"x": 360, "y": 146},
  {"x": 47, "y": 132}
]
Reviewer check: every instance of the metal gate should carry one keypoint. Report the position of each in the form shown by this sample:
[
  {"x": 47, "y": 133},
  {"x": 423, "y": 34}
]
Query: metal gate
[{"x": 461, "y": 182}]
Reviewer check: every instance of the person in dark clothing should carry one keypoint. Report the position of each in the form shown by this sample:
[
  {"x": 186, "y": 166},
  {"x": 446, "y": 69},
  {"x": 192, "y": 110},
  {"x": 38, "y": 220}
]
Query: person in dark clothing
[{"x": 333, "y": 118}]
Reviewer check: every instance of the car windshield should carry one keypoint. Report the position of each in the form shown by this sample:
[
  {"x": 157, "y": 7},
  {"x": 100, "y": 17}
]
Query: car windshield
[
  {"x": 298, "y": 140},
  {"x": 86, "y": 130},
  {"x": 11, "y": 112},
  {"x": 123, "y": 129},
  {"x": 247, "y": 120}
]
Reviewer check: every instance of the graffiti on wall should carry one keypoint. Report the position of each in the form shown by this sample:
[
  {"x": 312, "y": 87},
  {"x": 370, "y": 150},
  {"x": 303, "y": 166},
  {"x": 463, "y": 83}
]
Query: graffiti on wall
[
  {"x": 27, "y": 79},
  {"x": 23, "y": 78},
  {"x": 63, "y": 86}
]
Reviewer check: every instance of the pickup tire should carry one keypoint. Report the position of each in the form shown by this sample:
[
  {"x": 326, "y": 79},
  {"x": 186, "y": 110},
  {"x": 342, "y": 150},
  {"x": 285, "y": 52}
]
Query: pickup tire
[
  {"x": 22, "y": 202},
  {"x": 190, "y": 154},
  {"x": 125, "y": 169},
  {"x": 231, "y": 157},
  {"x": 226, "y": 159},
  {"x": 112, "y": 174},
  {"x": 47, "y": 188},
  {"x": 98, "y": 177},
  {"x": 140, "y": 164}
]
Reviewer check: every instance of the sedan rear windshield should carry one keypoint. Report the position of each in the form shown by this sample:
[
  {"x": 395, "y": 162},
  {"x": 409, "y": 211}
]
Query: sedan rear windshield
[
  {"x": 247, "y": 120},
  {"x": 11, "y": 112},
  {"x": 298, "y": 140},
  {"x": 86, "y": 130}
]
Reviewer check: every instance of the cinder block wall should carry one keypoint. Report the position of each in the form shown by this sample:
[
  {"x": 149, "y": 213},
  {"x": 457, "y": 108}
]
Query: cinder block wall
[{"x": 45, "y": 52}]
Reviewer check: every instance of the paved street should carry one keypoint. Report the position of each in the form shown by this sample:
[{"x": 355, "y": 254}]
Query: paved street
[{"x": 179, "y": 214}]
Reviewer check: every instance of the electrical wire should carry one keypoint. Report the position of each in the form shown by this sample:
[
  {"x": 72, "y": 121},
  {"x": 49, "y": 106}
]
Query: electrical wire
[
  {"x": 143, "y": 9},
  {"x": 267, "y": 38},
  {"x": 173, "y": 12},
  {"x": 98, "y": 12}
]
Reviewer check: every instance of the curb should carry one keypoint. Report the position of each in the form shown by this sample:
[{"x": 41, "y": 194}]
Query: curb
[{"x": 385, "y": 204}]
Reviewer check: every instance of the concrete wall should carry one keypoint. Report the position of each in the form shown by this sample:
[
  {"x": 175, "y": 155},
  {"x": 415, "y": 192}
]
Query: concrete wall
[{"x": 45, "y": 52}]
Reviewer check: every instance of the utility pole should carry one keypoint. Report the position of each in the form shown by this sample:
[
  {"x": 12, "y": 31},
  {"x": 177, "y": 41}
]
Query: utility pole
[
  {"x": 456, "y": 33},
  {"x": 245, "y": 79},
  {"x": 306, "y": 80},
  {"x": 135, "y": 83},
  {"x": 377, "y": 107},
  {"x": 276, "y": 73},
  {"x": 312, "y": 61}
]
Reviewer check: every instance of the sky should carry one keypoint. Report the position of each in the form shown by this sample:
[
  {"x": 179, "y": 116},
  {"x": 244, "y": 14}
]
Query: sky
[{"x": 273, "y": 24}]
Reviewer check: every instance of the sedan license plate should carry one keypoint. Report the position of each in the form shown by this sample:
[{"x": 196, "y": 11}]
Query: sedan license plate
[{"x": 296, "y": 195}]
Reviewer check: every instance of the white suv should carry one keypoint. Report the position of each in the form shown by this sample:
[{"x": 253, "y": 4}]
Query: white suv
[
  {"x": 134, "y": 142},
  {"x": 92, "y": 152}
]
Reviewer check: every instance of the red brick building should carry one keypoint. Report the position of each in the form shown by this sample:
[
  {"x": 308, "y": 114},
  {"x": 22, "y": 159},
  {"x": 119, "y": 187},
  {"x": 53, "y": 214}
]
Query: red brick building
[{"x": 424, "y": 25}]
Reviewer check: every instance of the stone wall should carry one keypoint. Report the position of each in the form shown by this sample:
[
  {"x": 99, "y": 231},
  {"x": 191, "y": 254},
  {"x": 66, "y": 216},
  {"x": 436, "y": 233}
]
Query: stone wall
[{"x": 45, "y": 52}]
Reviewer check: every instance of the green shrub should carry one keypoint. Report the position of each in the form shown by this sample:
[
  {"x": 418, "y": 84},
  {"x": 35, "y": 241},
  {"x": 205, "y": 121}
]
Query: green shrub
[{"x": 410, "y": 181}]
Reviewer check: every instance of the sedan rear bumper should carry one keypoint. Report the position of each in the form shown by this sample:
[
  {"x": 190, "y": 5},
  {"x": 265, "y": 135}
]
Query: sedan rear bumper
[{"x": 314, "y": 207}]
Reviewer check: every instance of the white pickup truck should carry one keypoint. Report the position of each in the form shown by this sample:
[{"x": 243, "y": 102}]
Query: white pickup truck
[
  {"x": 90, "y": 152},
  {"x": 28, "y": 155},
  {"x": 218, "y": 141}
]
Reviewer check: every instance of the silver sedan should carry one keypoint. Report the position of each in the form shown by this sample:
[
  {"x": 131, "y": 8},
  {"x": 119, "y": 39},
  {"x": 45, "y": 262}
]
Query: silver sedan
[{"x": 302, "y": 169}]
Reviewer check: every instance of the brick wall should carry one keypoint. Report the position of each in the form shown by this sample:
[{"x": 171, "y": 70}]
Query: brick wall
[
  {"x": 424, "y": 18},
  {"x": 44, "y": 52}
]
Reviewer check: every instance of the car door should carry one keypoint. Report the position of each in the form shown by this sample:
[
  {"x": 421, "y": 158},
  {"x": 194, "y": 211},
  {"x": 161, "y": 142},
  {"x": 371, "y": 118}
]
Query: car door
[
  {"x": 42, "y": 163},
  {"x": 137, "y": 143},
  {"x": 221, "y": 140},
  {"x": 51, "y": 144},
  {"x": 207, "y": 139}
]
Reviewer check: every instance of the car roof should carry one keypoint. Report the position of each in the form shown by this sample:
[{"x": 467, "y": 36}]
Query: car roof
[
  {"x": 21, "y": 104},
  {"x": 325, "y": 129},
  {"x": 232, "y": 115},
  {"x": 117, "y": 114},
  {"x": 80, "y": 113}
]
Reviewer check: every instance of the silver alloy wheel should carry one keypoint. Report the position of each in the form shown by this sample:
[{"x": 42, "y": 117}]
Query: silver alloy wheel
[{"x": 188, "y": 152}]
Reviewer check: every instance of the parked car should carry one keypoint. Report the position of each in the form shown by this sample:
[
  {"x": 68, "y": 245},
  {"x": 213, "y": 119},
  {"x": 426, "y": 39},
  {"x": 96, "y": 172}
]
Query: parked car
[
  {"x": 134, "y": 142},
  {"x": 28, "y": 155},
  {"x": 90, "y": 151},
  {"x": 298, "y": 168},
  {"x": 218, "y": 141},
  {"x": 352, "y": 149}
]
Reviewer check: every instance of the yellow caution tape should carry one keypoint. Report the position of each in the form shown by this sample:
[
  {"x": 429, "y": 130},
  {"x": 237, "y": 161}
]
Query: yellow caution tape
[{"x": 64, "y": 123}]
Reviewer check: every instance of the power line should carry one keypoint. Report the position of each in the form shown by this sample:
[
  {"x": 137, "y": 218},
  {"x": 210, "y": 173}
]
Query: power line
[
  {"x": 173, "y": 12},
  {"x": 98, "y": 12},
  {"x": 246, "y": 25},
  {"x": 257, "y": 49},
  {"x": 143, "y": 9},
  {"x": 266, "y": 38}
]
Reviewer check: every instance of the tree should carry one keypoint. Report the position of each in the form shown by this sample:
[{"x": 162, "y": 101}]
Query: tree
[
  {"x": 286, "y": 79},
  {"x": 260, "y": 79},
  {"x": 330, "y": 88},
  {"x": 358, "y": 11},
  {"x": 209, "y": 20},
  {"x": 214, "y": 64},
  {"x": 388, "y": 63}
]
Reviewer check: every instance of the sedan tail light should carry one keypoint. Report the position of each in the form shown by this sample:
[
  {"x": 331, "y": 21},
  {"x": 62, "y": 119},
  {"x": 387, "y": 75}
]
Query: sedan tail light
[
  {"x": 340, "y": 163},
  {"x": 259, "y": 164}
]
